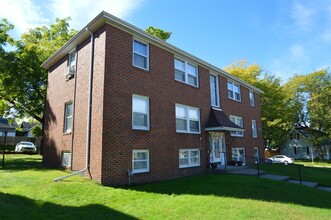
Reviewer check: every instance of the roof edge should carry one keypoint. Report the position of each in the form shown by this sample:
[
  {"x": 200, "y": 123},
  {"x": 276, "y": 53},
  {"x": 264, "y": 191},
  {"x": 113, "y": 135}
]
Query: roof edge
[{"x": 105, "y": 17}]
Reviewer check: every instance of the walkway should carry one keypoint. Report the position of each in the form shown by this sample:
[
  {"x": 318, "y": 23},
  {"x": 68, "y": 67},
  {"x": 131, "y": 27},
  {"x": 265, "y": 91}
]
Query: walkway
[{"x": 243, "y": 170}]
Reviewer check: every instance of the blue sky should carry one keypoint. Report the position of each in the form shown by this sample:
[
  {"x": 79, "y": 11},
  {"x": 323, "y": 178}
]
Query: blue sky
[{"x": 284, "y": 37}]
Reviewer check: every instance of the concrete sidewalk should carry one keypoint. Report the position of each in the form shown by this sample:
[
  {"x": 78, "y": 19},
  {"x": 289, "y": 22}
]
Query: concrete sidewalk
[{"x": 243, "y": 170}]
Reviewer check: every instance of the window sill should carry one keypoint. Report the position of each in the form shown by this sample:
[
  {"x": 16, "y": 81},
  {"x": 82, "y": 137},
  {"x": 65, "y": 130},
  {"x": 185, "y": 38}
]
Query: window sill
[
  {"x": 140, "y": 129},
  {"x": 189, "y": 166},
  {"x": 234, "y": 99},
  {"x": 141, "y": 68},
  {"x": 186, "y": 132},
  {"x": 67, "y": 133},
  {"x": 194, "y": 86},
  {"x": 140, "y": 171}
]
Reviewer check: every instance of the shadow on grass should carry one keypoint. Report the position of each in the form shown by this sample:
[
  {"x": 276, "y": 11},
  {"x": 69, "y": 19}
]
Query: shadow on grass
[
  {"x": 18, "y": 207},
  {"x": 15, "y": 162},
  {"x": 241, "y": 187}
]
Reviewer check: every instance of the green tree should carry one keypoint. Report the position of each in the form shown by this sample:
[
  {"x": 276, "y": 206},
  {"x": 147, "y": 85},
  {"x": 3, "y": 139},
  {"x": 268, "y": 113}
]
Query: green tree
[
  {"x": 163, "y": 35},
  {"x": 37, "y": 131},
  {"x": 22, "y": 80},
  {"x": 313, "y": 93},
  {"x": 242, "y": 70}
]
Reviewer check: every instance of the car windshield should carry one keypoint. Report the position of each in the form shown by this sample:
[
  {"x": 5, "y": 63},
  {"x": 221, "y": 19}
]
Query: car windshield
[{"x": 27, "y": 143}]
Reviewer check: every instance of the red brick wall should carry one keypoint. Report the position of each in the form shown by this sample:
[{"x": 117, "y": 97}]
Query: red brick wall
[
  {"x": 59, "y": 91},
  {"x": 113, "y": 139},
  {"x": 122, "y": 80},
  {"x": 243, "y": 109}
]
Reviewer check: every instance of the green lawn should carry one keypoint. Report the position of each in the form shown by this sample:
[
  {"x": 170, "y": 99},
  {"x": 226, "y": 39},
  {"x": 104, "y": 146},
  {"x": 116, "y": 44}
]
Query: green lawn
[
  {"x": 314, "y": 163},
  {"x": 28, "y": 192},
  {"x": 321, "y": 175}
]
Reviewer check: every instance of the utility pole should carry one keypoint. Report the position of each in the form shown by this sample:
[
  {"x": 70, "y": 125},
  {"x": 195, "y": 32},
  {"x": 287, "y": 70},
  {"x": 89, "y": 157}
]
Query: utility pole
[{"x": 3, "y": 148}]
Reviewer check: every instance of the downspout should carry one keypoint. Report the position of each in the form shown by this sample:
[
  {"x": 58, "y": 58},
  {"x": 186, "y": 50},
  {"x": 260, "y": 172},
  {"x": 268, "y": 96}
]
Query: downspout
[{"x": 88, "y": 127}]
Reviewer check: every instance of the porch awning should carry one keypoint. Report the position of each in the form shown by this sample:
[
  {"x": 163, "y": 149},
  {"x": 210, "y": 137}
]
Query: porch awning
[{"x": 218, "y": 121}]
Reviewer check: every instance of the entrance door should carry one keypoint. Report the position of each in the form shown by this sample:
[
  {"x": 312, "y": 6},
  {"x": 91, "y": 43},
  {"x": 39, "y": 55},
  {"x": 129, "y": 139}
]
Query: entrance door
[{"x": 217, "y": 147}]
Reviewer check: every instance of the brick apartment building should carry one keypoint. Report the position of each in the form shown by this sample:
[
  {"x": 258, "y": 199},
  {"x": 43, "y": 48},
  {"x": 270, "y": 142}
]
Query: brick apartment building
[{"x": 120, "y": 102}]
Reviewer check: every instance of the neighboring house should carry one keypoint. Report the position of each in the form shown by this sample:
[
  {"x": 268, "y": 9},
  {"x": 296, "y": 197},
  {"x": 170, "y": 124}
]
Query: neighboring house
[
  {"x": 5, "y": 126},
  {"x": 297, "y": 146},
  {"x": 127, "y": 106},
  {"x": 26, "y": 129}
]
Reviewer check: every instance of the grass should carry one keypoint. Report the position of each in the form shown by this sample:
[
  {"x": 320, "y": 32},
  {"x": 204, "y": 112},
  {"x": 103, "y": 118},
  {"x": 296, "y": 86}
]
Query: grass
[
  {"x": 28, "y": 192},
  {"x": 321, "y": 175},
  {"x": 314, "y": 164}
]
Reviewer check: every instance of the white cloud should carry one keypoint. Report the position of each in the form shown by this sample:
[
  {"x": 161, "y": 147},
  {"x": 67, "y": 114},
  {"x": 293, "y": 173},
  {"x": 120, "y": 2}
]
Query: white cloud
[
  {"x": 326, "y": 36},
  {"x": 24, "y": 14},
  {"x": 303, "y": 16},
  {"x": 298, "y": 53},
  {"x": 85, "y": 10}
]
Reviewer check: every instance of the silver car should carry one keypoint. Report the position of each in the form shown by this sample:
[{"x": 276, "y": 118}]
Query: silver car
[
  {"x": 25, "y": 146},
  {"x": 282, "y": 159}
]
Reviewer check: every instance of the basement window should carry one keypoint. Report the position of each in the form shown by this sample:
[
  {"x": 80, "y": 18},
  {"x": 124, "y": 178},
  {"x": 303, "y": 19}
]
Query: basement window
[{"x": 66, "y": 159}]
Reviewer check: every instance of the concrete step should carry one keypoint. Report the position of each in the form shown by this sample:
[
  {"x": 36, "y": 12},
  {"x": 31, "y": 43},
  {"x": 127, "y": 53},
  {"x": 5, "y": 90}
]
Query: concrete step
[
  {"x": 324, "y": 188},
  {"x": 275, "y": 177},
  {"x": 305, "y": 183}
]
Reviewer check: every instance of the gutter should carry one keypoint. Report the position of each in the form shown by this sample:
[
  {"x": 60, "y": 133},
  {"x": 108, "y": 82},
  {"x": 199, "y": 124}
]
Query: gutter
[
  {"x": 104, "y": 17},
  {"x": 89, "y": 110}
]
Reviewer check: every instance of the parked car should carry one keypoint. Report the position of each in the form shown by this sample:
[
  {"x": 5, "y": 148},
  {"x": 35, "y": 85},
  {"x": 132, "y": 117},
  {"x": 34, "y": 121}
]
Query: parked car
[
  {"x": 282, "y": 159},
  {"x": 25, "y": 146}
]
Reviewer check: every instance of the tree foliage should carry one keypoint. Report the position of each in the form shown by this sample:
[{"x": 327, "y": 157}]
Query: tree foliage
[
  {"x": 22, "y": 80},
  {"x": 37, "y": 131},
  {"x": 313, "y": 93},
  {"x": 163, "y": 35}
]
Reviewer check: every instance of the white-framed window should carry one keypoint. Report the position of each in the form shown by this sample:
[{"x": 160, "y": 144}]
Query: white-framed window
[
  {"x": 68, "y": 117},
  {"x": 254, "y": 130},
  {"x": 189, "y": 158},
  {"x": 186, "y": 72},
  {"x": 140, "y": 161},
  {"x": 66, "y": 159},
  {"x": 140, "y": 112},
  {"x": 140, "y": 57},
  {"x": 187, "y": 119},
  {"x": 214, "y": 91},
  {"x": 234, "y": 91},
  {"x": 256, "y": 155},
  {"x": 251, "y": 98},
  {"x": 72, "y": 59},
  {"x": 238, "y": 154},
  {"x": 238, "y": 121},
  {"x": 71, "y": 64}
]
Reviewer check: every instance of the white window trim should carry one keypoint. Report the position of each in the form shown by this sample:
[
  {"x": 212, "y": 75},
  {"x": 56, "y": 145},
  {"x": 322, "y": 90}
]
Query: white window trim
[
  {"x": 253, "y": 98},
  {"x": 217, "y": 91},
  {"x": 257, "y": 159},
  {"x": 234, "y": 96},
  {"x": 72, "y": 65},
  {"x": 145, "y": 170},
  {"x": 65, "y": 129},
  {"x": 66, "y": 154},
  {"x": 235, "y": 133},
  {"x": 186, "y": 73},
  {"x": 145, "y": 98},
  {"x": 147, "y": 56},
  {"x": 189, "y": 158},
  {"x": 187, "y": 108},
  {"x": 254, "y": 129},
  {"x": 239, "y": 155}
]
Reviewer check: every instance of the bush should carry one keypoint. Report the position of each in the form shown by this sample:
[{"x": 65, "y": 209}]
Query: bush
[{"x": 8, "y": 148}]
